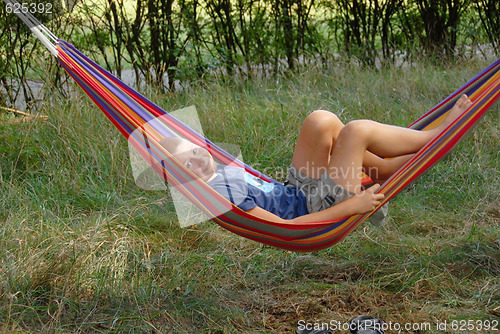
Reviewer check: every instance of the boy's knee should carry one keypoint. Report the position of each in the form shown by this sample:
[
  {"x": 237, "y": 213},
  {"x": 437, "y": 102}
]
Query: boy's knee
[
  {"x": 322, "y": 121},
  {"x": 358, "y": 128},
  {"x": 323, "y": 115}
]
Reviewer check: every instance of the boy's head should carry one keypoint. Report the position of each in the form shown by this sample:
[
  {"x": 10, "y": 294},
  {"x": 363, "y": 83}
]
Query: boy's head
[{"x": 197, "y": 159}]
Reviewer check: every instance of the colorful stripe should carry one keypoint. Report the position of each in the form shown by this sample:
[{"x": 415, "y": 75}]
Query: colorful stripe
[{"x": 144, "y": 124}]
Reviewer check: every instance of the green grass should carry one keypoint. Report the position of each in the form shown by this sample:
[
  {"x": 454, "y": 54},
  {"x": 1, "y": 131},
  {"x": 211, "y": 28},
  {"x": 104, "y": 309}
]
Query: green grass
[{"x": 82, "y": 249}]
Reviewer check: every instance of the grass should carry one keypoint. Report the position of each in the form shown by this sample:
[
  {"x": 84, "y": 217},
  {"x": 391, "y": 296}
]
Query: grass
[{"x": 82, "y": 249}]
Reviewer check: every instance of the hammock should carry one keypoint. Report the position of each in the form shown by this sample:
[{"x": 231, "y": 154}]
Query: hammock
[{"x": 144, "y": 124}]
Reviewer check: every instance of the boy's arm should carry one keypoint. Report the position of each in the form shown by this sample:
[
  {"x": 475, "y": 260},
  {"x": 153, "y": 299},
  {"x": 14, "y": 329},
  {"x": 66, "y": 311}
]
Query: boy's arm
[{"x": 361, "y": 202}]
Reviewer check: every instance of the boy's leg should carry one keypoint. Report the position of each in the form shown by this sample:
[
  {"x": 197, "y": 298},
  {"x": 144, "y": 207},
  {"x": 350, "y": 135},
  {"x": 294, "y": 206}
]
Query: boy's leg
[
  {"x": 355, "y": 138},
  {"x": 380, "y": 169},
  {"x": 346, "y": 164},
  {"x": 315, "y": 143}
]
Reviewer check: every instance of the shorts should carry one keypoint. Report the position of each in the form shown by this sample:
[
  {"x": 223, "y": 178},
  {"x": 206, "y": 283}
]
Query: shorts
[
  {"x": 321, "y": 193},
  {"x": 324, "y": 193}
]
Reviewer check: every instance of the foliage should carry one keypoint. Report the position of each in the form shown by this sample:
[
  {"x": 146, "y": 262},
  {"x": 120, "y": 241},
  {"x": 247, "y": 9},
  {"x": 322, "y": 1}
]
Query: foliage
[
  {"x": 168, "y": 43},
  {"x": 489, "y": 11},
  {"x": 441, "y": 20}
]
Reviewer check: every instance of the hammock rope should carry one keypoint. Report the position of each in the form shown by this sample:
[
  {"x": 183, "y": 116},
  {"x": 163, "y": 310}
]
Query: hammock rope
[
  {"x": 43, "y": 34},
  {"x": 144, "y": 124}
]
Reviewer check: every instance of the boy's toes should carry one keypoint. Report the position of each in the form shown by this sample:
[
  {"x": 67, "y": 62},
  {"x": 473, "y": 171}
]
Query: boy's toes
[
  {"x": 463, "y": 103},
  {"x": 465, "y": 100}
]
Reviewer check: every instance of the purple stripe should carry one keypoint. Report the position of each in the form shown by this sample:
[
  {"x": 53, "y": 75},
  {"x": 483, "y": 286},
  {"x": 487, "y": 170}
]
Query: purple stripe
[
  {"x": 98, "y": 99},
  {"x": 464, "y": 89},
  {"x": 114, "y": 90},
  {"x": 99, "y": 72}
]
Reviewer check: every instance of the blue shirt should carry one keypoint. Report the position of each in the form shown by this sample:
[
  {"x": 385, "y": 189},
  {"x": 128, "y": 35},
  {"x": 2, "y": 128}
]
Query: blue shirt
[{"x": 247, "y": 191}]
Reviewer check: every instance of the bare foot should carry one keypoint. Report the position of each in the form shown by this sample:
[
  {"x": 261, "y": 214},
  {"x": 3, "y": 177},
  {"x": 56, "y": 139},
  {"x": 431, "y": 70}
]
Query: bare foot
[{"x": 460, "y": 106}]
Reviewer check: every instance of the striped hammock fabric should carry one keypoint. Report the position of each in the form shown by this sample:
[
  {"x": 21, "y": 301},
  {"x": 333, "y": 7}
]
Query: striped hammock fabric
[{"x": 144, "y": 124}]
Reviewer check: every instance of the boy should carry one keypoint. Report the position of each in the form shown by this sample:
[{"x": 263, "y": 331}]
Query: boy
[{"x": 324, "y": 179}]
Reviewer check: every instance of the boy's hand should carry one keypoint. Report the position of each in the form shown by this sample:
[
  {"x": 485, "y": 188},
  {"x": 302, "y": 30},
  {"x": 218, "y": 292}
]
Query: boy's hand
[{"x": 367, "y": 200}]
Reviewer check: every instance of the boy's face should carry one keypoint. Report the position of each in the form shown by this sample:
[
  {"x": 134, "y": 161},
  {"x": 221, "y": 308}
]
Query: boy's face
[{"x": 197, "y": 159}]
